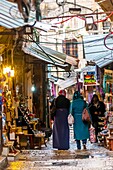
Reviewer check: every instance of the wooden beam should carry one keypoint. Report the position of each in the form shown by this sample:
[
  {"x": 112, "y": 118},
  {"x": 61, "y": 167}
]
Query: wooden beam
[
  {"x": 8, "y": 33},
  {"x": 107, "y": 6}
]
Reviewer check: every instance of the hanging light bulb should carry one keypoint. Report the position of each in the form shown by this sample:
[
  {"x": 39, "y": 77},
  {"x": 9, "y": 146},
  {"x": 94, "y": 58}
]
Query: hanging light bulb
[
  {"x": 1, "y": 59},
  {"x": 8, "y": 69},
  {"x": 33, "y": 88},
  {"x": 4, "y": 70},
  {"x": 12, "y": 72}
]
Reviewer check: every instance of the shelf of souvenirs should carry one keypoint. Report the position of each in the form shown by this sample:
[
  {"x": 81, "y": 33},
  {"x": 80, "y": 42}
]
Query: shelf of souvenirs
[
  {"x": 109, "y": 106},
  {"x": 108, "y": 100}
]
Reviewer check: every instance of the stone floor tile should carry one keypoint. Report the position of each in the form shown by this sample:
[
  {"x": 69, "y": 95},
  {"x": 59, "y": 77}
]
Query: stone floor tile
[{"x": 94, "y": 158}]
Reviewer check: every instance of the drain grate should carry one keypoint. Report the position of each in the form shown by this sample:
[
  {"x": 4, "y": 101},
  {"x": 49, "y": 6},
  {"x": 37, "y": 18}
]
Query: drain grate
[
  {"x": 56, "y": 163},
  {"x": 60, "y": 163}
]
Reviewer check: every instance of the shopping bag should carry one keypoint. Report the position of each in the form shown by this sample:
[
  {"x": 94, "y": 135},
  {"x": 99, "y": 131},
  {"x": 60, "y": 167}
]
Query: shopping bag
[
  {"x": 92, "y": 134},
  {"x": 85, "y": 116},
  {"x": 70, "y": 119}
]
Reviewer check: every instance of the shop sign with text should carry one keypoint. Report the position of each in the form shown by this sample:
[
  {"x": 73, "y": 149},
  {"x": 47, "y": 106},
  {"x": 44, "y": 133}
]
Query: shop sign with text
[{"x": 89, "y": 78}]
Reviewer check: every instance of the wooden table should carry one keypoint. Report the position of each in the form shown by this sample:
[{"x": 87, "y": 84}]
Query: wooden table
[
  {"x": 110, "y": 139},
  {"x": 105, "y": 139},
  {"x": 31, "y": 140},
  {"x": 34, "y": 123},
  {"x": 39, "y": 140}
]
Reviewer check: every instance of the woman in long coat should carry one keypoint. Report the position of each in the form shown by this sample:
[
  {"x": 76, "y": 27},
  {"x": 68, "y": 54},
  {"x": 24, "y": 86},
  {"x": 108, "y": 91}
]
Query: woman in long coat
[
  {"x": 60, "y": 126},
  {"x": 97, "y": 111},
  {"x": 81, "y": 129}
]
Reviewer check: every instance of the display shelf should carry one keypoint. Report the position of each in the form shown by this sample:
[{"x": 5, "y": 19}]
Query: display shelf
[
  {"x": 24, "y": 121},
  {"x": 13, "y": 156}
]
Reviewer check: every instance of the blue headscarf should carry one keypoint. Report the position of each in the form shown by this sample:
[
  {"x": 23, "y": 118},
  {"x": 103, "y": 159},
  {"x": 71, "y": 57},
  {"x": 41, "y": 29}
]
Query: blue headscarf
[{"x": 77, "y": 95}]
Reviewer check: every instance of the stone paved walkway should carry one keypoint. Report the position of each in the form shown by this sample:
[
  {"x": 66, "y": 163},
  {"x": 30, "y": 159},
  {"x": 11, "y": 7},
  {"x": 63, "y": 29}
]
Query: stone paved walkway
[{"x": 94, "y": 158}]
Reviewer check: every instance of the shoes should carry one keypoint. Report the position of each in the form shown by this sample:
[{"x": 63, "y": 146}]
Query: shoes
[{"x": 84, "y": 146}]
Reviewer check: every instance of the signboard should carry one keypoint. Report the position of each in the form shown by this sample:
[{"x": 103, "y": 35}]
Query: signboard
[
  {"x": 108, "y": 72},
  {"x": 89, "y": 78}
]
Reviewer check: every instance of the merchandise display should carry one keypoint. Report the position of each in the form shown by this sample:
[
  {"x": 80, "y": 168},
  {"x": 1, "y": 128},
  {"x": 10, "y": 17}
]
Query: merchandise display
[{"x": 20, "y": 127}]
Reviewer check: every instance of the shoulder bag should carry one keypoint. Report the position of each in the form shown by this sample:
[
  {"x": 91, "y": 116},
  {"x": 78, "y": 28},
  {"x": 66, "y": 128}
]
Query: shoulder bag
[
  {"x": 85, "y": 116},
  {"x": 70, "y": 119}
]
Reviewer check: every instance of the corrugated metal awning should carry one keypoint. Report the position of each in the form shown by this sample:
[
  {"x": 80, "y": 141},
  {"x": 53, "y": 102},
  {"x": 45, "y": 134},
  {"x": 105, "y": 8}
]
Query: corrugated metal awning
[
  {"x": 88, "y": 68},
  {"x": 66, "y": 83},
  {"x": 96, "y": 51},
  {"x": 11, "y": 18},
  {"x": 46, "y": 54}
]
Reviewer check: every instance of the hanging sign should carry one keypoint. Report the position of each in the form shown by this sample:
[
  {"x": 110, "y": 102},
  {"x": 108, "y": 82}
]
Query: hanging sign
[{"x": 89, "y": 78}]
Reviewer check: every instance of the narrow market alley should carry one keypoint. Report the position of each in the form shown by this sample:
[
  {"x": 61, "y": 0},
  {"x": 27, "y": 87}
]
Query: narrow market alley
[
  {"x": 56, "y": 77},
  {"x": 96, "y": 157}
]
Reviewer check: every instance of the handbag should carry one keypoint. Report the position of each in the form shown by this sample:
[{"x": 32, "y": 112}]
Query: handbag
[
  {"x": 85, "y": 116},
  {"x": 70, "y": 119}
]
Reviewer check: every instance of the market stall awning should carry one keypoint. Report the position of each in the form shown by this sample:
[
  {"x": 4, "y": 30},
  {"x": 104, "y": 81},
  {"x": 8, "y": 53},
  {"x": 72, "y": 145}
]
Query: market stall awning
[
  {"x": 96, "y": 51},
  {"x": 88, "y": 68},
  {"x": 11, "y": 18},
  {"x": 46, "y": 54},
  {"x": 66, "y": 83}
]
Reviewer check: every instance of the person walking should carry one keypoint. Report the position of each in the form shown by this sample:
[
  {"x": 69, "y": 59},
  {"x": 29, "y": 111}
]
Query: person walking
[
  {"x": 97, "y": 111},
  {"x": 81, "y": 129},
  {"x": 60, "y": 125}
]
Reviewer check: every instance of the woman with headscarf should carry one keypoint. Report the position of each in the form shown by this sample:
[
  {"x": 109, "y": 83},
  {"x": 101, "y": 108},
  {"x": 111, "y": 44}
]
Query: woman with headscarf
[
  {"x": 81, "y": 129},
  {"x": 60, "y": 126},
  {"x": 97, "y": 111}
]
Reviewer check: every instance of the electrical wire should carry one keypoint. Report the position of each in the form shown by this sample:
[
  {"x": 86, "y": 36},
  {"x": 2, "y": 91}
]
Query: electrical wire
[
  {"x": 16, "y": 12},
  {"x": 104, "y": 19},
  {"x": 76, "y": 15},
  {"x": 42, "y": 50},
  {"x": 65, "y": 32},
  {"x": 84, "y": 19},
  {"x": 85, "y": 42},
  {"x": 105, "y": 39}
]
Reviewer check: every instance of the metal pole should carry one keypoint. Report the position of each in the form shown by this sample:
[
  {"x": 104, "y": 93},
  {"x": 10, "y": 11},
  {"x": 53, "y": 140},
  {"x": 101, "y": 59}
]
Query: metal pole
[{"x": 74, "y": 3}]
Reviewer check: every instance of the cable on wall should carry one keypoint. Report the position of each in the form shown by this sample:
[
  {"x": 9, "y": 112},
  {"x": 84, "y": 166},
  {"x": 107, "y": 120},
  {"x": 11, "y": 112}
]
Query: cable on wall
[{"x": 105, "y": 39}]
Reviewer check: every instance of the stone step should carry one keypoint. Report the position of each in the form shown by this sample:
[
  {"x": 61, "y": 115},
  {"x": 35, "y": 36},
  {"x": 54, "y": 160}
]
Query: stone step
[
  {"x": 3, "y": 162},
  {"x": 77, "y": 164}
]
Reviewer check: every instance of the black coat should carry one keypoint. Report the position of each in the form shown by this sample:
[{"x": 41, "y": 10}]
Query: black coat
[
  {"x": 61, "y": 102},
  {"x": 100, "y": 109}
]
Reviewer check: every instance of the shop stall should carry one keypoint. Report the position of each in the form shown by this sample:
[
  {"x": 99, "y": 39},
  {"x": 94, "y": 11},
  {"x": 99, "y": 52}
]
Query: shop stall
[
  {"x": 21, "y": 129},
  {"x": 108, "y": 90}
]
